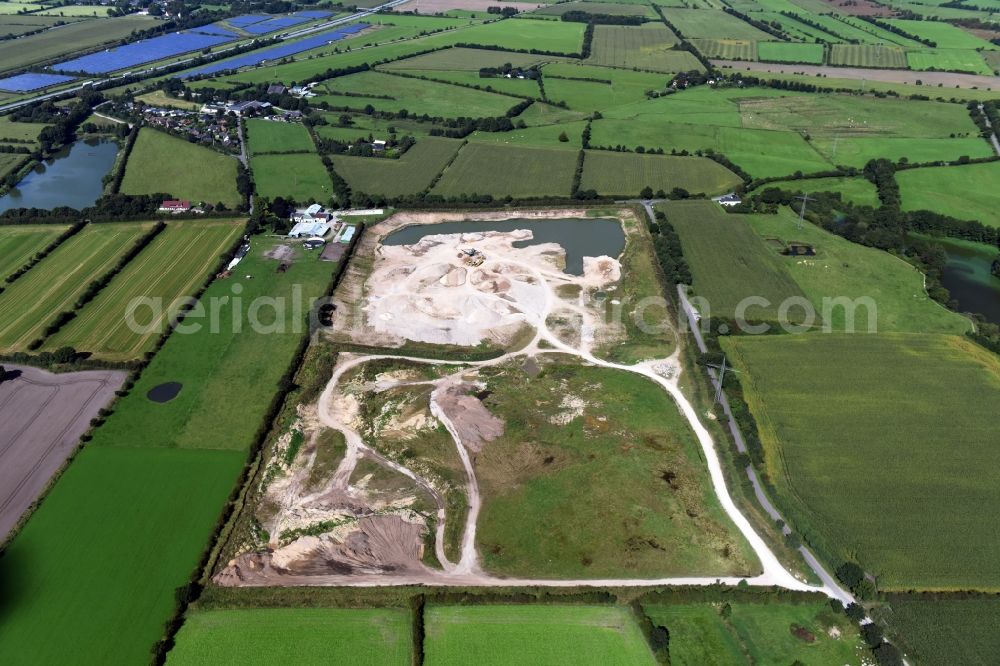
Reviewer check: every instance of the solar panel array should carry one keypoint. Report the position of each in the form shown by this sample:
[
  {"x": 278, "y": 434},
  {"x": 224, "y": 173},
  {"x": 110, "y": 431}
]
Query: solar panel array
[
  {"x": 31, "y": 81},
  {"x": 278, "y": 23},
  {"x": 215, "y": 29},
  {"x": 141, "y": 52},
  {"x": 278, "y": 52},
  {"x": 247, "y": 19}
]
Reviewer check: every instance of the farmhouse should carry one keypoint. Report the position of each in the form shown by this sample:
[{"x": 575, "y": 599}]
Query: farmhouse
[
  {"x": 730, "y": 199},
  {"x": 247, "y": 108},
  {"x": 175, "y": 206}
]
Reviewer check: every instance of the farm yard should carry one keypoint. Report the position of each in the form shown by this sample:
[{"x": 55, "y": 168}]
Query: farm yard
[
  {"x": 161, "y": 163},
  {"x": 834, "y": 456}
]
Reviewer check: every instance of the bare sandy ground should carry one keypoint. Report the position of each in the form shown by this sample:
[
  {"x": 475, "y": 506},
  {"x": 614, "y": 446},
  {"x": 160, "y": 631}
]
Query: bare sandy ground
[
  {"x": 435, "y": 6},
  {"x": 930, "y": 79},
  {"x": 42, "y": 416}
]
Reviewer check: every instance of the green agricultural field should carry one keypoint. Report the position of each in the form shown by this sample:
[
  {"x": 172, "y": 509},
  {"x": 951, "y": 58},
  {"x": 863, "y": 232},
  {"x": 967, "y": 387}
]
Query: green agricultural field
[
  {"x": 77, "y": 36},
  {"x": 486, "y": 635},
  {"x": 556, "y": 36},
  {"x": 868, "y": 55},
  {"x": 946, "y": 631},
  {"x": 729, "y": 49},
  {"x": 945, "y": 35},
  {"x": 857, "y": 151},
  {"x": 172, "y": 267},
  {"x": 501, "y": 170},
  {"x": 298, "y": 177},
  {"x": 544, "y": 135},
  {"x": 610, "y": 8},
  {"x": 367, "y": 637},
  {"x": 92, "y": 575},
  {"x": 790, "y": 52},
  {"x": 878, "y": 34},
  {"x": 848, "y": 115},
  {"x": 9, "y": 162},
  {"x": 605, "y": 89},
  {"x": 268, "y": 136},
  {"x": 78, "y": 11},
  {"x": 728, "y": 261},
  {"x": 160, "y": 162},
  {"x": 626, "y": 174},
  {"x": 869, "y": 86},
  {"x": 461, "y": 59},
  {"x": 414, "y": 95},
  {"x": 857, "y": 190},
  {"x": 757, "y": 634},
  {"x": 411, "y": 173},
  {"x": 520, "y": 87},
  {"x": 54, "y": 284},
  {"x": 967, "y": 192},
  {"x": 862, "y": 473},
  {"x": 712, "y": 24},
  {"x": 210, "y": 359},
  {"x": 630, "y": 437},
  {"x": 646, "y": 47},
  {"x": 19, "y": 243},
  {"x": 948, "y": 60}
]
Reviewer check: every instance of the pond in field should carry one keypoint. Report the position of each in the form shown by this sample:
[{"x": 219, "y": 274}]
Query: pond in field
[
  {"x": 579, "y": 237},
  {"x": 164, "y": 392},
  {"x": 967, "y": 276},
  {"x": 72, "y": 177}
]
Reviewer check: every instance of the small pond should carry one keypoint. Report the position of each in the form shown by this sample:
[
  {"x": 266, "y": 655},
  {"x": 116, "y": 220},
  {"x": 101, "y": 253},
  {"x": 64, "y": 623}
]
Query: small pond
[
  {"x": 164, "y": 392},
  {"x": 579, "y": 237},
  {"x": 72, "y": 177},
  {"x": 967, "y": 276}
]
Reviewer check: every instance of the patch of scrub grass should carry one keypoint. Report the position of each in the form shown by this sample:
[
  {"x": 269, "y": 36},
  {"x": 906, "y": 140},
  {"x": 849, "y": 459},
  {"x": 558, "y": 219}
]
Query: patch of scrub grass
[{"x": 597, "y": 475}]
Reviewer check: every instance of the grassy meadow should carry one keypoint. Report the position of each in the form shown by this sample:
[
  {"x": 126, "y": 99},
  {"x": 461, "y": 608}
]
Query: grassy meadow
[
  {"x": 845, "y": 269},
  {"x": 487, "y": 635},
  {"x": 163, "y": 163},
  {"x": 729, "y": 262},
  {"x": 299, "y": 177},
  {"x": 268, "y": 136},
  {"x": 967, "y": 192},
  {"x": 626, "y": 174},
  {"x": 882, "y": 473},
  {"x": 366, "y": 637},
  {"x": 172, "y": 267},
  {"x": 501, "y": 170},
  {"x": 409, "y": 174}
]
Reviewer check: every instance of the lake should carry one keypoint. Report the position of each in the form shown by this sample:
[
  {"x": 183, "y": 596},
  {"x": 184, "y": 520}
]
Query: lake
[
  {"x": 72, "y": 177},
  {"x": 967, "y": 276},
  {"x": 579, "y": 237}
]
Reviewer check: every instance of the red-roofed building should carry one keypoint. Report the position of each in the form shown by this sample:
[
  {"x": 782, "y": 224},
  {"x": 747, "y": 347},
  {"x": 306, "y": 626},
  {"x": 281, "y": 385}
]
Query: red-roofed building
[{"x": 175, "y": 206}]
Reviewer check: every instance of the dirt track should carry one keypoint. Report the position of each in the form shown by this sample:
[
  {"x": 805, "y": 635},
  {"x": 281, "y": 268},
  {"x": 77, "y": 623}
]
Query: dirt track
[
  {"x": 930, "y": 79},
  {"x": 43, "y": 416}
]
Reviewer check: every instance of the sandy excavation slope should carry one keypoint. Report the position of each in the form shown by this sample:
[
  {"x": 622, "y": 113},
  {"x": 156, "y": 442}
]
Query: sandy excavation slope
[{"x": 42, "y": 416}]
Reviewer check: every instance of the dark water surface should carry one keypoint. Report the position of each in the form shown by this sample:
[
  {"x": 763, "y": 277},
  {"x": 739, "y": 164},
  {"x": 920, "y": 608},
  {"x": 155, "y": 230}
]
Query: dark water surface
[
  {"x": 73, "y": 177},
  {"x": 967, "y": 276},
  {"x": 579, "y": 237}
]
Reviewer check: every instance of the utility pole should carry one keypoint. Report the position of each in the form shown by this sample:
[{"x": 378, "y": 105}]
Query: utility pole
[
  {"x": 802, "y": 211},
  {"x": 721, "y": 378}
]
